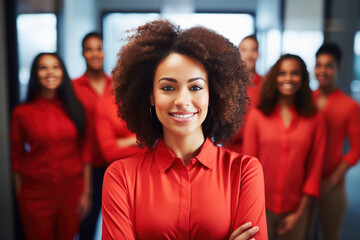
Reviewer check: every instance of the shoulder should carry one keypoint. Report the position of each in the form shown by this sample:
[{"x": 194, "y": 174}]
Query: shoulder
[
  {"x": 127, "y": 166},
  {"x": 23, "y": 108},
  {"x": 238, "y": 161}
]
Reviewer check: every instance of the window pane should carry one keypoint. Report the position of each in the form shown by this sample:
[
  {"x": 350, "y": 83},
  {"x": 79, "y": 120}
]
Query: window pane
[
  {"x": 36, "y": 33},
  {"x": 116, "y": 24}
]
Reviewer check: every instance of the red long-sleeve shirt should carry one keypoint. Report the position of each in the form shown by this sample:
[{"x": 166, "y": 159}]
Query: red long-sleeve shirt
[
  {"x": 109, "y": 128},
  {"x": 342, "y": 117},
  {"x": 155, "y": 196},
  {"x": 45, "y": 143},
  {"x": 88, "y": 97},
  {"x": 291, "y": 157},
  {"x": 253, "y": 93}
]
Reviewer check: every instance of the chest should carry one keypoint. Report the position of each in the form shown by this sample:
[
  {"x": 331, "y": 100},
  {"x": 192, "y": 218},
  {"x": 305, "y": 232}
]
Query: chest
[
  {"x": 181, "y": 202},
  {"x": 48, "y": 124}
]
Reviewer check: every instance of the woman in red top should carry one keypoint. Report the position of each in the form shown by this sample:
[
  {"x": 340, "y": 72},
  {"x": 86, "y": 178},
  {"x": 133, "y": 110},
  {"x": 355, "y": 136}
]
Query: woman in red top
[
  {"x": 52, "y": 181},
  {"x": 115, "y": 140},
  {"x": 287, "y": 135},
  {"x": 181, "y": 92},
  {"x": 342, "y": 115}
]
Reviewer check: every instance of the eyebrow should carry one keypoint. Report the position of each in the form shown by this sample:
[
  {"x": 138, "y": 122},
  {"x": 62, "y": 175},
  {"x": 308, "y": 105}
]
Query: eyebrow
[{"x": 175, "y": 81}]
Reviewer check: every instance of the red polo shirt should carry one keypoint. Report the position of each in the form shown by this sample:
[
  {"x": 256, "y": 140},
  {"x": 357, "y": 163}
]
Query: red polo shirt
[
  {"x": 109, "y": 128},
  {"x": 342, "y": 117},
  {"x": 291, "y": 157},
  {"x": 45, "y": 142},
  {"x": 155, "y": 196},
  {"x": 253, "y": 93},
  {"x": 88, "y": 97}
]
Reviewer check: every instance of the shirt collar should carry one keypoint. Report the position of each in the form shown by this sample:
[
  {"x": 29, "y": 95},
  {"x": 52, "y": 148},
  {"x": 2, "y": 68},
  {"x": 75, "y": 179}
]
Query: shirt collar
[{"x": 164, "y": 157}]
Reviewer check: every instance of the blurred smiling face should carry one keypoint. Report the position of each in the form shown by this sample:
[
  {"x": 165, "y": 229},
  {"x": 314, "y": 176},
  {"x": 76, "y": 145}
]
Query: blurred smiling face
[
  {"x": 326, "y": 70},
  {"x": 289, "y": 78},
  {"x": 181, "y": 95},
  {"x": 49, "y": 72},
  {"x": 93, "y": 53},
  {"x": 249, "y": 53}
]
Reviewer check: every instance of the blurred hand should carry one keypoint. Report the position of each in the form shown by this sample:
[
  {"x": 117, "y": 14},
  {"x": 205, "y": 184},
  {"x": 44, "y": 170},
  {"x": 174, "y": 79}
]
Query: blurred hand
[
  {"x": 244, "y": 232},
  {"x": 288, "y": 223},
  {"x": 84, "y": 206}
]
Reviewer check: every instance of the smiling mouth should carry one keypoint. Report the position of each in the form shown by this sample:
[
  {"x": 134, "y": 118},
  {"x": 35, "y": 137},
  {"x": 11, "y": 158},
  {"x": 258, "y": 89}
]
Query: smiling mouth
[{"x": 182, "y": 116}]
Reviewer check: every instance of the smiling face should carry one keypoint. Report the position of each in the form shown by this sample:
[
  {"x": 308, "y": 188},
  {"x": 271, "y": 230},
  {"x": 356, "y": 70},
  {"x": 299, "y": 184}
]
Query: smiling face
[
  {"x": 289, "y": 78},
  {"x": 249, "y": 53},
  {"x": 49, "y": 73},
  {"x": 326, "y": 70},
  {"x": 93, "y": 53},
  {"x": 181, "y": 96}
]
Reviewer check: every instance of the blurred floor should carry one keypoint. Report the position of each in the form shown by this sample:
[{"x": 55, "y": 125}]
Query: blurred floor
[{"x": 351, "y": 229}]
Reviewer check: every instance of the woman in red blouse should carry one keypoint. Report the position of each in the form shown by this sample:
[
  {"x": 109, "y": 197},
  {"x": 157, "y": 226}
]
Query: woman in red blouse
[
  {"x": 182, "y": 92},
  {"x": 288, "y": 136},
  {"x": 52, "y": 182}
]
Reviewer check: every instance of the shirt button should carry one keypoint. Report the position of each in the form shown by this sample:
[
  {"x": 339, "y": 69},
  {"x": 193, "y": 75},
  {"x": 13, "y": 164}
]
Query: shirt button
[{"x": 193, "y": 161}]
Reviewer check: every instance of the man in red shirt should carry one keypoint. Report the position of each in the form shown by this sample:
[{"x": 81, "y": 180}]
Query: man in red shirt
[
  {"x": 248, "y": 49},
  {"x": 342, "y": 117},
  {"x": 93, "y": 84}
]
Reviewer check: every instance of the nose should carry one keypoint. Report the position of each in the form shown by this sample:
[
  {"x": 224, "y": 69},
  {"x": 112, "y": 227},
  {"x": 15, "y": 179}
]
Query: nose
[{"x": 183, "y": 98}]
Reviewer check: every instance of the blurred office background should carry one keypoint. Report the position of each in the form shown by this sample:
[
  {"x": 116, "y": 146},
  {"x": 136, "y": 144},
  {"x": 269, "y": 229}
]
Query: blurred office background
[{"x": 282, "y": 26}]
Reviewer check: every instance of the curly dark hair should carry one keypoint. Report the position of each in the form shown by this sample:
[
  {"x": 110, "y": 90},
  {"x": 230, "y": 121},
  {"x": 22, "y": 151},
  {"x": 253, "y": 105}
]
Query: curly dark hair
[
  {"x": 148, "y": 46},
  {"x": 269, "y": 93}
]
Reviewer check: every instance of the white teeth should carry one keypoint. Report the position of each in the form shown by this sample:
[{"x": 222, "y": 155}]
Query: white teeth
[
  {"x": 287, "y": 85},
  {"x": 183, "y": 115}
]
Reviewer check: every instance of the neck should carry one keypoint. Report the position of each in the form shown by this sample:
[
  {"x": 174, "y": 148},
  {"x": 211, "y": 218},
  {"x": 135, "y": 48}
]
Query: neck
[
  {"x": 327, "y": 90},
  {"x": 184, "y": 147},
  {"x": 252, "y": 74},
  {"x": 286, "y": 101},
  {"x": 48, "y": 94},
  {"x": 95, "y": 75}
]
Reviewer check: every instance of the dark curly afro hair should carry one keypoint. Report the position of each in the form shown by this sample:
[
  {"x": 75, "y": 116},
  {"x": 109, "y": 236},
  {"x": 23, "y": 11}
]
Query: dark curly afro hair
[{"x": 148, "y": 46}]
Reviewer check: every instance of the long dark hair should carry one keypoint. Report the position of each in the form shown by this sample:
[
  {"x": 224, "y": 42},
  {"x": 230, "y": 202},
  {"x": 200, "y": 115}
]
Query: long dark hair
[
  {"x": 269, "y": 94},
  {"x": 66, "y": 92}
]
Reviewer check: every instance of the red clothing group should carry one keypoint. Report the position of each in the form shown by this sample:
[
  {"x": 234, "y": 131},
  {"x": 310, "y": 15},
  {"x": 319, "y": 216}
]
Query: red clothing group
[
  {"x": 109, "y": 128},
  {"x": 291, "y": 156},
  {"x": 155, "y": 196},
  {"x": 88, "y": 97},
  {"x": 342, "y": 118}
]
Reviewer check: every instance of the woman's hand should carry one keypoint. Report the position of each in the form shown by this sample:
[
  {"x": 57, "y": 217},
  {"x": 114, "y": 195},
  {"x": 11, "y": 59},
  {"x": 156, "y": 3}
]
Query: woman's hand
[
  {"x": 84, "y": 205},
  {"x": 244, "y": 232},
  {"x": 288, "y": 223}
]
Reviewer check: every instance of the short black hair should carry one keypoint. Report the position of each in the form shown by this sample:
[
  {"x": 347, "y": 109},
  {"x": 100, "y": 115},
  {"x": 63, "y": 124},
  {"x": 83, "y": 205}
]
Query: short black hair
[
  {"x": 90, "y": 35},
  {"x": 331, "y": 48},
  {"x": 253, "y": 37}
]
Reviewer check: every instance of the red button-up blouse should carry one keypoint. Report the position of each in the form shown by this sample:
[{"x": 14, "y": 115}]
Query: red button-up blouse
[
  {"x": 342, "y": 117},
  {"x": 109, "y": 128},
  {"x": 45, "y": 143},
  {"x": 155, "y": 196},
  {"x": 291, "y": 157},
  {"x": 88, "y": 98}
]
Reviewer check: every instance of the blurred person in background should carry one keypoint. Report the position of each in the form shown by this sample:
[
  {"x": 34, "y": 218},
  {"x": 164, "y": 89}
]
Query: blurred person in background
[
  {"x": 115, "y": 140},
  {"x": 287, "y": 134},
  {"x": 91, "y": 86},
  {"x": 342, "y": 118},
  {"x": 249, "y": 51},
  {"x": 52, "y": 178}
]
